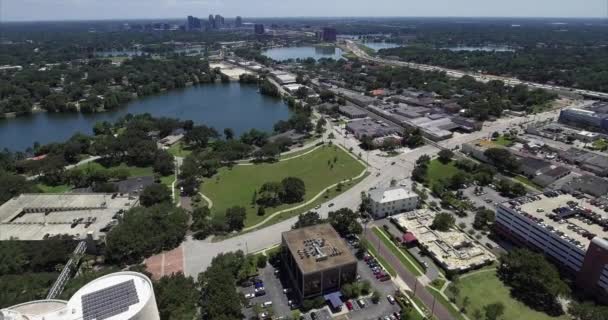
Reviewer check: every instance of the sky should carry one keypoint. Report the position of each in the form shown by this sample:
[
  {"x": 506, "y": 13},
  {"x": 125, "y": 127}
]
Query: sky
[{"x": 32, "y": 10}]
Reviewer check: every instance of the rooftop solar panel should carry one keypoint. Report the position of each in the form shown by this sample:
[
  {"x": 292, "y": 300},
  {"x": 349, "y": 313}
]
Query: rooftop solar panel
[{"x": 108, "y": 302}]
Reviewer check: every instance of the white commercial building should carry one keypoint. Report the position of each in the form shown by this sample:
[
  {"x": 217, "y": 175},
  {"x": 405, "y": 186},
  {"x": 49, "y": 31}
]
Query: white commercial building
[
  {"x": 117, "y": 296},
  {"x": 386, "y": 202}
]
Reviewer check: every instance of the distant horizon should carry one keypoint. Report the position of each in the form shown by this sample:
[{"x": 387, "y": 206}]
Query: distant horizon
[
  {"x": 309, "y": 17},
  {"x": 92, "y": 10}
]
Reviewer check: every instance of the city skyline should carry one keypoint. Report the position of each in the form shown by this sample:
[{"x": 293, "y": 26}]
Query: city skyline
[{"x": 34, "y": 10}]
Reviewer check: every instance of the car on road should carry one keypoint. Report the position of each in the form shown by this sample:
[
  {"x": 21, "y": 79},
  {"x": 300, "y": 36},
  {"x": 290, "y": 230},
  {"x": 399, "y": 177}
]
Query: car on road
[
  {"x": 330, "y": 205},
  {"x": 425, "y": 264},
  {"x": 390, "y": 299}
]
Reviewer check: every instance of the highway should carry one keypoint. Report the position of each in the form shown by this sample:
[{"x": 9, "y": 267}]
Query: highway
[{"x": 354, "y": 48}]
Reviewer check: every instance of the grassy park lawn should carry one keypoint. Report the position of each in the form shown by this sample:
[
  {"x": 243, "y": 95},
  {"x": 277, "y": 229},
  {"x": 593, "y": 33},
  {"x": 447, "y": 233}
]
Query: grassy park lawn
[
  {"x": 600, "y": 145},
  {"x": 133, "y": 171},
  {"x": 53, "y": 189},
  {"x": 179, "y": 150},
  {"x": 503, "y": 141},
  {"x": 485, "y": 288},
  {"x": 439, "y": 171},
  {"x": 235, "y": 186}
]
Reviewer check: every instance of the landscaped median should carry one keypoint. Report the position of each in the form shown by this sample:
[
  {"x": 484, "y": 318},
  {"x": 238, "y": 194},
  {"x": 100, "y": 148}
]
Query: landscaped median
[
  {"x": 407, "y": 260},
  {"x": 324, "y": 167}
]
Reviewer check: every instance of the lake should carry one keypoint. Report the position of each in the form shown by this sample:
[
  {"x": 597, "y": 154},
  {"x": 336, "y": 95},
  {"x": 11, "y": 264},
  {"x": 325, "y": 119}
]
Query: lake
[
  {"x": 286, "y": 53},
  {"x": 381, "y": 45},
  {"x": 232, "y": 105}
]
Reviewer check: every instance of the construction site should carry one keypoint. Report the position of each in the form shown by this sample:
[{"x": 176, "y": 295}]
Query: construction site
[{"x": 453, "y": 250}]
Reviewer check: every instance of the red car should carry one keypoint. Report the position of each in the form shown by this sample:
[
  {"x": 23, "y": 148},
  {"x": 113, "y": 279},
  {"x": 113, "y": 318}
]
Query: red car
[
  {"x": 385, "y": 278},
  {"x": 380, "y": 275},
  {"x": 349, "y": 305}
]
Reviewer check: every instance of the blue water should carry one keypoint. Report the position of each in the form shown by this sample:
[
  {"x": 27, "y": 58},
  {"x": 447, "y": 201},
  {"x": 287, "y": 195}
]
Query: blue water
[
  {"x": 286, "y": 53},
  {"x": 235, "y": 106}
]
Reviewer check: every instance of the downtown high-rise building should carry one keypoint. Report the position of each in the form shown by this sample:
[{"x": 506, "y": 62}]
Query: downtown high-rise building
[
  {"x": 259, "y": 28},
  {"x": 212, "y": 22},
  {"x": 238, "y": 22},
  {"x": 193, "y": 24}
]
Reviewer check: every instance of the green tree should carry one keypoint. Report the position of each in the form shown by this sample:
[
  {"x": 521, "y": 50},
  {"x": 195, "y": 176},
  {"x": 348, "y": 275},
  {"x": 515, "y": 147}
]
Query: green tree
[
  {"x": 445, "y": 156},
  {"x": 443, "y": 221},
  {"x": 235, "y": 218},
  {"x": 176, "y": 297},
  {"x": 293, "y": 190},
  {"x": 533, "y": 280},
  {"x": 146, "y": 231},
  {"x": 494, "y": 311},
  {"x": 155, "y": 194},
  {"x": 345, "y": 221},
  {"x": 309, "y": 218}
]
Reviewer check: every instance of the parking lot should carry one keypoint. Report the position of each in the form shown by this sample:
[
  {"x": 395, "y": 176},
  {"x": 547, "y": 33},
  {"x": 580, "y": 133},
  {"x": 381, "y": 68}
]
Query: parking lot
[{"x": 274, "y": 283}]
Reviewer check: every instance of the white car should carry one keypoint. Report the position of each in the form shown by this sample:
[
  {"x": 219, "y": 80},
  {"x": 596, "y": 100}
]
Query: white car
[
  {"x": 249, "y": 295},
  {"x": 266, "y": 304},
  {"x": 390, "y": 299},
  {"x": 287, "y": 290}
]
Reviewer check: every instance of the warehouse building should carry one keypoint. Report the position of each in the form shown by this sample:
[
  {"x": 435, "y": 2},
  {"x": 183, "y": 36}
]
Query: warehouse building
[
  {"x": 390, "y": 201},
  {"x": 572, "y": 232},
  {"x": 352, "y": 112},
  {"x": 371, "y": 128},
  {"x": 117, "y": 296},
  {"x": 318, "y": 260}
]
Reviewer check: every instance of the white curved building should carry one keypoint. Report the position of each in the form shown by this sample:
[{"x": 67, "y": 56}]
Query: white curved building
[{"x": 117, "y": 296}]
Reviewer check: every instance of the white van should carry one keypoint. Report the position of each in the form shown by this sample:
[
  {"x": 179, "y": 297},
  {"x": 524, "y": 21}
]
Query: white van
[{"x": 266, "y": 304}]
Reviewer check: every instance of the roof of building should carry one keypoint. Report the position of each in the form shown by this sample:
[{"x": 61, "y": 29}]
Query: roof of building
[
  {"x": 391, "y": 194},
  {"x": 352, "y": 110},
  {"x": 409, "y": 237},
  {"x": 317, "y": 248},
  {"x": 575, "y": 220},
  {"x": 116, "y": 296},
  {"x": 589, "y": 184},
  {"x": 32, "y": 216},
  {"x": 335, "y": 299}
]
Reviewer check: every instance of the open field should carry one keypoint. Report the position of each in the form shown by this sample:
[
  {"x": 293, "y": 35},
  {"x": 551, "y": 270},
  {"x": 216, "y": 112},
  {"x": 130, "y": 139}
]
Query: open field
[
  {"x": 53, "y": 189},
  {"x": 485, "y": 288},
  {"x": 235, "y": 186},
  {"x": 133, "y": 171},
  {"x": 439, "y": 171},
  {"x": 179, "y": 150}
]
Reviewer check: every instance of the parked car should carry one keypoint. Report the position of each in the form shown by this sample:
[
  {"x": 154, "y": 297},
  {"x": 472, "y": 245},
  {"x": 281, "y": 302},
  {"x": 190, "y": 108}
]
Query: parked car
[
  {"x": 287, "y": 290},
  {"x": 380, "y": 275},
  {"x": 361, "y": 303},
  {"x": 259, "y": 285},
  {"x": 249, "y": 295},
  {"x": 390, "y": 299},
  {"x": 266, "y": 304},
  {"x": 385, "y": 278},
  {"x": 349, "y": 305},
  {"x": 313, "y": 315}
]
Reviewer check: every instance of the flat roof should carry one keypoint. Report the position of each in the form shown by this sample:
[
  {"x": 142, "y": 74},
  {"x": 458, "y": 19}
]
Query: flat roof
[
  {"x": 391, "y": 194},
  {"x": 32, "y": 216},
  {"x": 317, "y": 248},
  {"x": 577, "y": 223}
]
